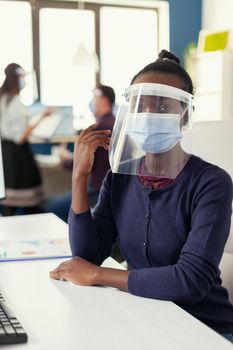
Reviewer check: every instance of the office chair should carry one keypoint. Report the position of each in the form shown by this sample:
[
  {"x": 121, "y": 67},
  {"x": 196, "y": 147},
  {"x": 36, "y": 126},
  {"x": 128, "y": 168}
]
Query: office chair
[{"x": 213, "y": 142}]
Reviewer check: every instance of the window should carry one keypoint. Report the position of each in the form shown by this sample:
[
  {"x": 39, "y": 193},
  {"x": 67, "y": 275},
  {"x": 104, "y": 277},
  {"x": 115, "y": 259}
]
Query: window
[
  {"x": 61, "y": 33},
  {"x": 16, "y": 39},
  {"x": 125, "y": 37},
  {"x": 128, "y": 42}
]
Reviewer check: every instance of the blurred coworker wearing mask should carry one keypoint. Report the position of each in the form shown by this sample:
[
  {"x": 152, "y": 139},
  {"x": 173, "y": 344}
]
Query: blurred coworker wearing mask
[
  {"x": 23, "y": 181},
  {"x": 101, "y": 106}
]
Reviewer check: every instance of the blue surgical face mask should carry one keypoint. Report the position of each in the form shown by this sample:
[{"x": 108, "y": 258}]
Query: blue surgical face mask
[
  {"x": 22, "y": 83},
  {"x": 155, "y": 132},
  {"x": 92, "y": 106}
]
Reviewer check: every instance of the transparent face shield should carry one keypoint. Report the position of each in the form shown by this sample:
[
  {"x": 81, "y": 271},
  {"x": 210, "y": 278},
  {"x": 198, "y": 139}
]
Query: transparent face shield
[{"x": 150, "y": 123}]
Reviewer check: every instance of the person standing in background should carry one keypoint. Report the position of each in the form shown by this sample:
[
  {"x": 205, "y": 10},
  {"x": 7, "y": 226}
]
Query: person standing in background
[
  {"x": 104, "y": 99},
  {"x": 101, "y": 106},
  {"x": 22, "y": 177}
]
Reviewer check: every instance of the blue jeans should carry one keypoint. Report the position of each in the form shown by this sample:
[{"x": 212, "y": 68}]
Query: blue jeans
[
  {"x": 228, "y": 337},
  {"x": 60, "y": 205}
]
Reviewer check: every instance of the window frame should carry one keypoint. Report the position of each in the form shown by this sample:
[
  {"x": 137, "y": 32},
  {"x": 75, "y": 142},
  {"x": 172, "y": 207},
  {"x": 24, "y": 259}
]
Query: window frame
[{"x": 162, "y": 30}]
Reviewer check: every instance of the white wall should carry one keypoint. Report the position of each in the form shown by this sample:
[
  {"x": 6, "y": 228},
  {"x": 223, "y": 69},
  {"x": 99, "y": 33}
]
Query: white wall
[{"x": 217, "y": 14}]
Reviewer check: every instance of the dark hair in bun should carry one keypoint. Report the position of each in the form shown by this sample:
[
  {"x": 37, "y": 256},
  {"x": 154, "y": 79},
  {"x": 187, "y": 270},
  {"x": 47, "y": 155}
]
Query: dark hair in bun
[
  {"x": 10, "y": 85},
  {"x": 168, "y": 63},
  {"x": 166, "y": 55}
]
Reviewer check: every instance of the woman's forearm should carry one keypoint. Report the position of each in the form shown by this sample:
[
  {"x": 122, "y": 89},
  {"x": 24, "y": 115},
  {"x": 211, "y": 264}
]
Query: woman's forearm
[
  {"x": 27, "y": 132},
  {"x": 80, "y": 202},
  {"x": 84, "y": 153},
  {"x": 112, "y": 278}
]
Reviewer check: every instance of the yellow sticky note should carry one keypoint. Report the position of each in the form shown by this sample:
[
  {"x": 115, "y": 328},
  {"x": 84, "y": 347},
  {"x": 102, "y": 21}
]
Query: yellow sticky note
[{"x": 216, "y": 41}]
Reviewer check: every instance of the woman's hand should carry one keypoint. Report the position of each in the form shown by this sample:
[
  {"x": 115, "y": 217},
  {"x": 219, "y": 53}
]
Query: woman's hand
[
  {"x": 48, "y": 112},
  {"x": 76, "y": 270},
  {"x": 84, "y": 273},
  {"x": 84, "y": 153},
  {"x": 85, "y": 147}
]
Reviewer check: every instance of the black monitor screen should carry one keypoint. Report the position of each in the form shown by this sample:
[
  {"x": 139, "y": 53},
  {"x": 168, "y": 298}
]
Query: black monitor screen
[{"x": 2, "y": 183}]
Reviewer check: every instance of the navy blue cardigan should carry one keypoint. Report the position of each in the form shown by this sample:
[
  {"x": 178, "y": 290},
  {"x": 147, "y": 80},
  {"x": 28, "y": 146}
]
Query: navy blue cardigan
[{"x": 172, "y": 238}]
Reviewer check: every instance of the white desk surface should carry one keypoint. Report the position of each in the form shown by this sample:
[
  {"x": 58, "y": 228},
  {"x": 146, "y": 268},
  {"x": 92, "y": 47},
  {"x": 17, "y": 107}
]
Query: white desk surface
[
  {"x": 59, "y": 315},
  {"x": 32, "y": 227}
]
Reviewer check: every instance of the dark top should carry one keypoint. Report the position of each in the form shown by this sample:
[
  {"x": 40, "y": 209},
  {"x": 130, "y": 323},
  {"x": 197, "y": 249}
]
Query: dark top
[
  {"x": 172, "y": 238},
  {"x": 20, "y": 168}
]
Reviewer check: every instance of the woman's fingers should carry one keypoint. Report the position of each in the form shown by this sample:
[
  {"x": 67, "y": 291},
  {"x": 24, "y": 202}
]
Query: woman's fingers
[
  {"x": 106, "y": 133},
  {"x": 85, "y": 147},
  {"x": 90, "y": 128},
  {"x": 62, "y": 266},
  {"x": 101, "y": 144},
  {"x": 96, "y": 138},
  {"x": 58, "y": 274},
  {"x": 95, "y": 143}
]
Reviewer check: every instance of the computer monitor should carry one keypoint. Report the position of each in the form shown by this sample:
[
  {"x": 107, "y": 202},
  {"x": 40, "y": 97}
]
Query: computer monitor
[{"x": 2, "y": 182}]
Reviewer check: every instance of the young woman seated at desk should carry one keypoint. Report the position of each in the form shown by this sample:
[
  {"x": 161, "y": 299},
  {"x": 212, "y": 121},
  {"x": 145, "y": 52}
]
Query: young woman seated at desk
[{"x": 169, "y": 210}]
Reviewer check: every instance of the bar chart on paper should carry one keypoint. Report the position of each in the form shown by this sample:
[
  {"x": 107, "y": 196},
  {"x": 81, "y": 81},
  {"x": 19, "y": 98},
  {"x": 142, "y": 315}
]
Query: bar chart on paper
[{"x": 34, "y": 249}]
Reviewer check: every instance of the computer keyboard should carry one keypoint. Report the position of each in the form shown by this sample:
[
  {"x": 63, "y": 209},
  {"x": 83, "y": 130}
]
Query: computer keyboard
[{"x": 11, "y": 331}]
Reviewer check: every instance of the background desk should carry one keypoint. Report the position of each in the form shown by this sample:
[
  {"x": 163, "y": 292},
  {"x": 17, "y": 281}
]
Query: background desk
[{"x": 62, "y": 316}]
